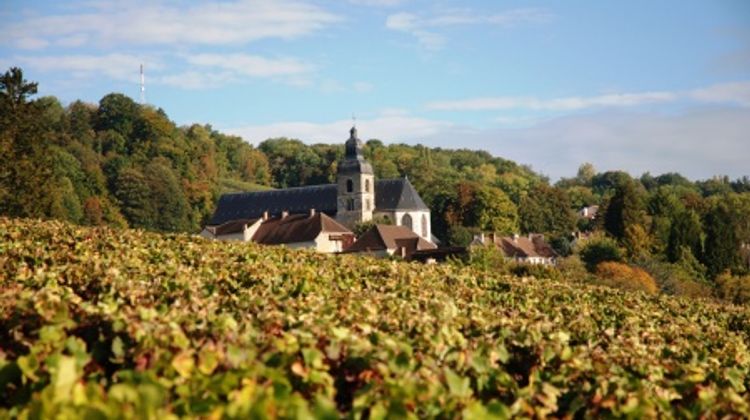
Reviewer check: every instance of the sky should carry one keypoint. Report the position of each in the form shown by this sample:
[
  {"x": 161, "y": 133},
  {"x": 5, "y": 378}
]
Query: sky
[{"x": 641, "y": 86}]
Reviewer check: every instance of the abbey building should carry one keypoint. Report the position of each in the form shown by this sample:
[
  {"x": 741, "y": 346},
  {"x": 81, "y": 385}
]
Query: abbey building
[{"x": 355, "y": 197}]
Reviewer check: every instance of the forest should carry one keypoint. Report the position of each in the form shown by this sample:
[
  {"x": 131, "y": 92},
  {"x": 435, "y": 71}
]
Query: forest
[{"x": 124, "y": 164}]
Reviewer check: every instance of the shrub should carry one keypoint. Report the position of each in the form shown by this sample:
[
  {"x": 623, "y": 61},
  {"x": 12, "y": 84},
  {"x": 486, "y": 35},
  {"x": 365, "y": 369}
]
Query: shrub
[
  {"x": 572, "y": 268},
  {"x": 488, "y": 258},
  {"x": 735, "y": 289},
  {"x": 598, "y": 250},
  {"x": 539, "y": 271},
  {"x": 679, "y": 279},
  {"x": 623, "y": 276}
]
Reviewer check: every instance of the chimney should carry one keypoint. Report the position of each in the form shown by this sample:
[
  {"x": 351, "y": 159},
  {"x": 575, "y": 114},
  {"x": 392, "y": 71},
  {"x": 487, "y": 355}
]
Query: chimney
[
  {"x": 515, "y": 237},
  {"x": 492, "y": 237},
  {"x": 265, "y": 215},
  {"x": 284, "y": 214},
  {"x": 312, "y": 212}
]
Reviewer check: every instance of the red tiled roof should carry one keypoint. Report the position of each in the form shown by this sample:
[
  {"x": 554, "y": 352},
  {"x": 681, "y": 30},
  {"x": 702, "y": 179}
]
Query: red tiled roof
[
  {"x": 232, "y": 226},
  {"x": 533, "y": 245},
  {"x": 388, "y": 237},
  {"x": 296, "y": 228}
]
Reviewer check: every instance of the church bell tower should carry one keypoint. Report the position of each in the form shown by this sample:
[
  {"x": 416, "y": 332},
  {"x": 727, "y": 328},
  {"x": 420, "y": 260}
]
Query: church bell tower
[{"x": 356, "y": 185}]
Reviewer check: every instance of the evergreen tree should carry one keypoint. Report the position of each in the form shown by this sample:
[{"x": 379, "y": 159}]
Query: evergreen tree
[
  {"x": 721, "y": 250},
  {"x": 625, "y": 208},
  {"x": 685, "y": 232},
  {"x": 25, "y": 168}
]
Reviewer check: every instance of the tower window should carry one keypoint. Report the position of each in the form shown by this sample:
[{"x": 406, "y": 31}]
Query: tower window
[
  {"x": 368, "y": 204},
  {"x": 349, "y": 185},
  {"x": 424, "y": 226},
  {"x": 350, "y": 204},
  {"x": 367, "y": 186},
  {"x": 406, "y": 221}
]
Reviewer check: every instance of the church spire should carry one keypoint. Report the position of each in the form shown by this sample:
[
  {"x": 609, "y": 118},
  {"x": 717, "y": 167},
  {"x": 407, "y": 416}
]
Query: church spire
[{"x": 354, "y": 146}]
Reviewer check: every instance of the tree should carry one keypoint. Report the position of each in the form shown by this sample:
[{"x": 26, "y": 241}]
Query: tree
[
  {"x": 685, "y": 232},
  {"x": 546, "y": 209},
  {"x": 585, "y": 175},
  {"x": 293, "y": 163},
  {"x": 625, "y": 208},
  {"x": 637, "y": 242},
  {"x": 493, "y": 211},
  {"x": 134, "y": 195},
  {"x": 721, "y": 250},
  {"x": 15, "y": 90},
  {"x": 25, "y": 169},
  {"x": 119, "y": 113},
  {"x": 167, "y": 198}
]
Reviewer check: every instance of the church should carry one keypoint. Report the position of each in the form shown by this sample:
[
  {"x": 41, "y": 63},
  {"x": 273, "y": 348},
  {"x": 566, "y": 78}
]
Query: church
[{"x": 355, "y": 197}]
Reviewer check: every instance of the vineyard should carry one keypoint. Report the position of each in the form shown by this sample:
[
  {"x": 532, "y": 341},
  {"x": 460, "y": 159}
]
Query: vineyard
[{"x": 99, "y": 322}]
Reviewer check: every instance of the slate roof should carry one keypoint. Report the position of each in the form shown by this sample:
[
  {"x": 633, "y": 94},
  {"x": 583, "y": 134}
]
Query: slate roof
[
  {"x": 390, "y": 195},
  {"x": 383, "y": 237},
  {"x": 296, "y": 228},
  {"x": 251, "y": 205},
  {"x": 397, "y": 194}
]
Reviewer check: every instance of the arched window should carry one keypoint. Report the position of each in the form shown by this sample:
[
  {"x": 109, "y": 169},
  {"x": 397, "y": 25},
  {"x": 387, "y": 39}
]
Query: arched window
[
  {"x": 350, "y": 203},
  {"x": 349, "y": 185},
  {"x": 367, "y": 185},
  {"x": 406, "y": 221},
  {"x": 424, "y": 226}
]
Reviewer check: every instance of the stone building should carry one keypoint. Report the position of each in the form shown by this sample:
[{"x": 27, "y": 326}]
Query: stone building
[{"x": 355, "y": 197}]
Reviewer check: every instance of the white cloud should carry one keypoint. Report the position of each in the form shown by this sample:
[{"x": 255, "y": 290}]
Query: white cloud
[
  {"x": 378, "y": 3},
  {"x": 389, "y": 126},
  {"x": 737, "y": 93},
  {"x": 194, "y": 80},
  {"x": 571, "y": 103},
  {"x": 123, "y": 67},
  {"x": 424, "y": 28},
  {"x": 203, "y": 70},
  {"x": 167, "y": 23},
  {"x": 699, "y": 143},
  {"x": 250, "y": 65}
]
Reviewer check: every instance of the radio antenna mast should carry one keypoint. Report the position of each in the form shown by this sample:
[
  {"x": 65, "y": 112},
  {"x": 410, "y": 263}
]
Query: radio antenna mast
[{"x": 143, "y": 87}]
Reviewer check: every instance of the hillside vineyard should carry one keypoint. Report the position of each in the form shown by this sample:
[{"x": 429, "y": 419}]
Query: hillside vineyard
[{"x": 122, "y": 323}]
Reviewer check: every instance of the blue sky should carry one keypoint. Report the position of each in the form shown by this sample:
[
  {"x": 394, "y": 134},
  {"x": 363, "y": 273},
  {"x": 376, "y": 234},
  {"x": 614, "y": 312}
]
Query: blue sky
[{"x": 635, "y": 85}]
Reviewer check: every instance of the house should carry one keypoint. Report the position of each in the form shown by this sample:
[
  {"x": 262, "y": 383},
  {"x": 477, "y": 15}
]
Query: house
[
  {"x": 588, "y": 212},
  {"x": 312, "y": 230},
  {"x": 355, "y": 197},
  {"x": 531, "y": 249},
  {"x": 388, "y": 240}
]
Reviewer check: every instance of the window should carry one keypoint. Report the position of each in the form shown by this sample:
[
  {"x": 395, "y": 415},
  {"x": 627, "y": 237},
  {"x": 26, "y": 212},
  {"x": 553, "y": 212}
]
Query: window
[
  {"x": 424, "y": 226},
  {"x": 349, "y": 185},
  {"x": 350, "y": 204},
  {"x": 406, "y": 221},
  {"x": 368, "y": 204},
  {"x": 367, "y": 186}
]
